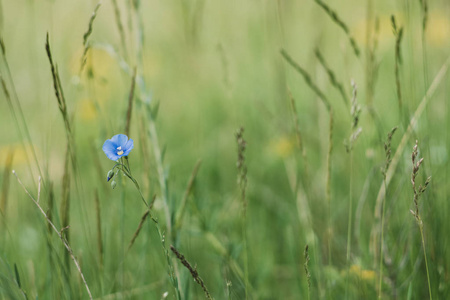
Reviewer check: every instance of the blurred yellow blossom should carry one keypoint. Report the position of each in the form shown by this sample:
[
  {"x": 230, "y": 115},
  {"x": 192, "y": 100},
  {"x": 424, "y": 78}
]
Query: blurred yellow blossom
[
  {"x": 283, "y": 146},
  {"x": 87, "y": 109},
  {"x": 438, "y": 29},
  {"x": 385, "y": 35},
  {"x": 17, "y": 153},
  {"x": 368, "y": 275},
  {"x": 362, "y": 274},
  {"x": 437, "y": 34},
  {"x": 100, "y": 72}
]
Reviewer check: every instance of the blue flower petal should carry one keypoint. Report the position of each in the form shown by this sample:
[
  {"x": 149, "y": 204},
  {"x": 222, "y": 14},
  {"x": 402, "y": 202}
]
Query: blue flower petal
[
  {"x": 120, "y": 140},
  {"x": 128, "y": 147},
  {"x": 109, "y": 147}
]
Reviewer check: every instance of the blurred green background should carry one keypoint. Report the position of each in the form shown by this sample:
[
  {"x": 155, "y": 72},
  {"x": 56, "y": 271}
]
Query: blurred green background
[{"x": 209, "y": 68}]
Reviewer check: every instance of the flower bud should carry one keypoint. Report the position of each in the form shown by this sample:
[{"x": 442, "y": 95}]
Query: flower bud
[
  {"x": 113, "y": 184},
  {"x": 110, "y": 175}
]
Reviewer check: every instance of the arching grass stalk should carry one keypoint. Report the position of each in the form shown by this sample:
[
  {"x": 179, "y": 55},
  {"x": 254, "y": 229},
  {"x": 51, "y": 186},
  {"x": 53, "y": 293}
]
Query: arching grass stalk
[
  {"x": 387, "y": 150},
  {"x": 307, "y": 273},
  {"x": 418, "y": 191},
  {"x": 125, "y": 169},
  {"x": 349, "y": 226},
  {"x": 242, "y": 182},
  {"x": 328, "y": 188},
  {"x": 398, "y": 33},
  {"x": 60, "y": 232},
  {"x": 355, "y": 132}
]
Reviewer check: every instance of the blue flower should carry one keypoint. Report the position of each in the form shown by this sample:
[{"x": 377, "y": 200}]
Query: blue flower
[{"x": 118, "y": 146}]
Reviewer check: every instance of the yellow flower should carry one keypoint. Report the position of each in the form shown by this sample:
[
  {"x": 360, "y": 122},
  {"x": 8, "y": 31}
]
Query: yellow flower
[
  {"x": 17, "y": 154},
  {"x": 100, "y": 75},
  {"x": 438, "y": 29},
  {"x": 355, "y": 269},
  {"x": 367, "y": 275},
  {"x": 385, "y": 35},
  {"x": 87, "y": 109},
  {"x": 283, "y": 146}
]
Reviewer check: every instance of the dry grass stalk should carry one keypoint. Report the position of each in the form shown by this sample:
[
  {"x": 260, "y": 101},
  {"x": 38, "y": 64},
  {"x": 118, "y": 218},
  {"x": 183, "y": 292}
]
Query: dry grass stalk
[
  {"x": 5, "y": 183},
  {"x": 180, "y": 215},
  {"x": 387, "y": 151},
  {"x": 192, "y": 270},
  {"x": 65, "y": 196},
  {"x": 328, "y": 183},
  {"x": 336, "y": 19},
  {"x": 307, "y": 273},
  {"x": 298, "y": 134},
  {"x": 418, "y": 191},
  {"x": 242, "y": 182},
  {"x": 355, "y": 113},
  {"x": 61, "y": 103},
  {"x": 120, "y": 27},
  {"x": 355, "y": 132},
  {"x": 130, "y": 103},
  {"x": 58, "y": 88},
  {"x": 51, "y": 204},
  {"x": 99, "y": 229},
  {"x": 398, "y": 153},
  {"x": 60, "y": 232},
  {"x": 86, "y": 36},
  {"x": 371, "y": 61},
  {"x": 141, "y": 224},
  {"x": 242, "y": 167},
  {"x": 307, "y": 78},
  {"x": 332, "y": 77},
  {"x": 398, "y": 33}
]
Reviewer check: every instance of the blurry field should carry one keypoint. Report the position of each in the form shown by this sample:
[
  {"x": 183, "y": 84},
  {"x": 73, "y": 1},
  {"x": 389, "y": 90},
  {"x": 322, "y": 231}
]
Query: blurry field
[{"x": 204, "y": 69}]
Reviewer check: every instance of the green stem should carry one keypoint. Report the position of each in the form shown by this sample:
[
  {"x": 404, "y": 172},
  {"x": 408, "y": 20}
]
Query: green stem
[
  {"x": 425, "y": 256},
  {"x": 382, "y": 239},
  {"x": 349, "y": 232},
  {"x": 244, "y": 229},
  {"x": 173, "y": 278}
]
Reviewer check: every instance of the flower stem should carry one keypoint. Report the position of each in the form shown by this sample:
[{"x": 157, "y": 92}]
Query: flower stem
[{"x": 171, "y": 272}]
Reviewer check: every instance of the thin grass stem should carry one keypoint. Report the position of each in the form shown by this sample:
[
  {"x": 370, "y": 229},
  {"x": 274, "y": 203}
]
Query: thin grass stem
[{"x": 58, "y": 232}]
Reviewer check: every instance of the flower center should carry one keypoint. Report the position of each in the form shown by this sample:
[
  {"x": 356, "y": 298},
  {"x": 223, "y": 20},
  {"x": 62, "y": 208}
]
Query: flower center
[{"x": 119, "y": 150}]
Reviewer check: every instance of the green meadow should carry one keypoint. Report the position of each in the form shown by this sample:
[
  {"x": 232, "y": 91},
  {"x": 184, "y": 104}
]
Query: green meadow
[{"x": 282, "y": 149}]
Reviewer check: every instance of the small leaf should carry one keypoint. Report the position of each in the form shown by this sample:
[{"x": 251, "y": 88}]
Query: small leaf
[{"x": 17, "y": 276}]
